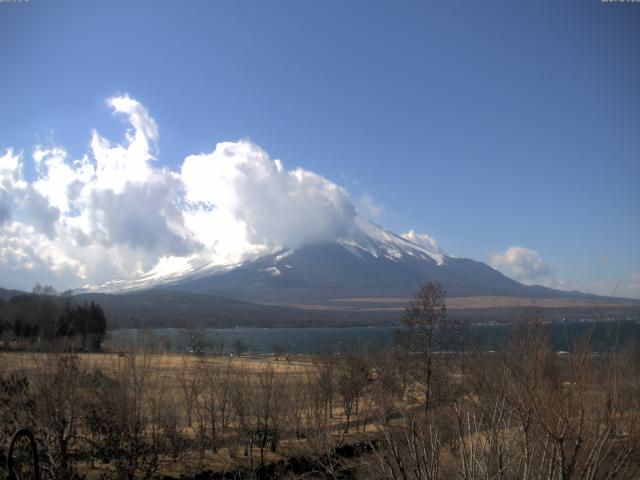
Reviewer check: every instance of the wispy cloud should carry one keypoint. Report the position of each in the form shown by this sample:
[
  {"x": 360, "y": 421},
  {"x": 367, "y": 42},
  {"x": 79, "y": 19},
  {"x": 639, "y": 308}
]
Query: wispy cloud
[
  {"x": 423, "y": 240},
  {"x": 369, "y": 207}
]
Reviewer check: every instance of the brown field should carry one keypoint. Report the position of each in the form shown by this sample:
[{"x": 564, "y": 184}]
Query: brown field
[
  {"x": 170, "y": 364},
  {"x": 170, "y": 375},
  {"x": 460, "y": 303},
  {"x": 521, "y": 412}
]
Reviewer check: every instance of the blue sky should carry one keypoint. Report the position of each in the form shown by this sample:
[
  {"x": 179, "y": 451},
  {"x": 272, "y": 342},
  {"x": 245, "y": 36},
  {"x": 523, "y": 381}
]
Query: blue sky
[{"x": 486, "y": 125}]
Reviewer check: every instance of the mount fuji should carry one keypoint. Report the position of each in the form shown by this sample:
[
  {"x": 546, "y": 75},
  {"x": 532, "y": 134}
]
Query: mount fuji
[{"x": 371, "y": 267}]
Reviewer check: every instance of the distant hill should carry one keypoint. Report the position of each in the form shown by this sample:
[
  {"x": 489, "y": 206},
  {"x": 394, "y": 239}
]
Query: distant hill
[
  {"x": 7, "y": 294},
  {"x": 164, "y": 308}
]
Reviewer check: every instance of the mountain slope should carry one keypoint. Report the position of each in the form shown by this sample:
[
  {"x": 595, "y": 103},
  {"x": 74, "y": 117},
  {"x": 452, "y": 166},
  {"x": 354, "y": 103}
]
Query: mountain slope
[
  {"x": 329, "y": 271},
  {"x": 372, "y": 262},
  {"x": 167, "y": 308}
]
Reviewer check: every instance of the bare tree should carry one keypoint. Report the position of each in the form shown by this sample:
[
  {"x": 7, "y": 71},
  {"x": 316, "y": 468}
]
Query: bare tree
[
  {"x": 426, "y": 330},
  {"x": 388, "y": 388},
  {"x": 134, "y": 421},
  {"x": 324, "y": 376},
  {"x": 189, "y": 383},
  {"x": 196, "y": 338},
  {"x": 239, "y": 347},
  {"x": 540, "y": 416},
  {"x": 271, "y": 410},
  {"x": 57, "y": 390},
  {"x": 243, "y": 415},
  {"x": 212, "y": 401},
  {"x": 409, "y": 451},
  {"x": 351, "y": 382}
]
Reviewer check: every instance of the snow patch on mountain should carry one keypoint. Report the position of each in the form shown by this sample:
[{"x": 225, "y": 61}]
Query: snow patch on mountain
[
  {"x": 366, "y": 239},
  {"x": 273, "y": 271},
  {"x": 284, "y": 254},
  {"x": 380, "y": 242},
  {"x": 162, "y": 274}
]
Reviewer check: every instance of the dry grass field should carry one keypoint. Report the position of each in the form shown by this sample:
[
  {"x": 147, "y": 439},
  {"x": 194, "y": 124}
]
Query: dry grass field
[
  {"x": 176, "y": 385},
  {"x": 522, "y": 412},
  {"x": 170, "y": 364},
  {"x": 397, "y": 304}
]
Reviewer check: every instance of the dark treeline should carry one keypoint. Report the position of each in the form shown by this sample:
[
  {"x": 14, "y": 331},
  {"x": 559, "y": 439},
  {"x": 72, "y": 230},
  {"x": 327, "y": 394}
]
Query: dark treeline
[{"x": 44, "y": 317}]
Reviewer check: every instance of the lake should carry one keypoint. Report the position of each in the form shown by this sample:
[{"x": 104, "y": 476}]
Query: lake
[{"x": 316, "y": 340}]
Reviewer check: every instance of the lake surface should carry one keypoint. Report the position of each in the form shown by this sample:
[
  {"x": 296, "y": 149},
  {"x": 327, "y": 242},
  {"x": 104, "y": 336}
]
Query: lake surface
[{"x": 316, "y": 340}]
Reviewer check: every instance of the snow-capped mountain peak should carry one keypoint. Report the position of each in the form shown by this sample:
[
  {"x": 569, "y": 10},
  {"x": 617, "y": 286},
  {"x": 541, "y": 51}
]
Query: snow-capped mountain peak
[
  {"x": 380, "y": 242},
  {"x": 370, "y": 262},
  {"x": 366, "y": 239}
]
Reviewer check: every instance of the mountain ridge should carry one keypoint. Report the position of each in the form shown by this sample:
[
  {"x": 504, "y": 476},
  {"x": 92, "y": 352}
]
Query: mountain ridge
[
  {"x": 372, "y": 262},
  {"x": 369, "y": 262}
]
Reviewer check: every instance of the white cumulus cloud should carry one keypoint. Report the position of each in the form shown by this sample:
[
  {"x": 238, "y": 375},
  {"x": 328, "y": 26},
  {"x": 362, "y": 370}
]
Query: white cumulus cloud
[
  {"x": 523, "y": 264},
  {"x": 116, "y": 212},
  {"x": 278, "y": 207},
  {"x": 12, "y": 184}
]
